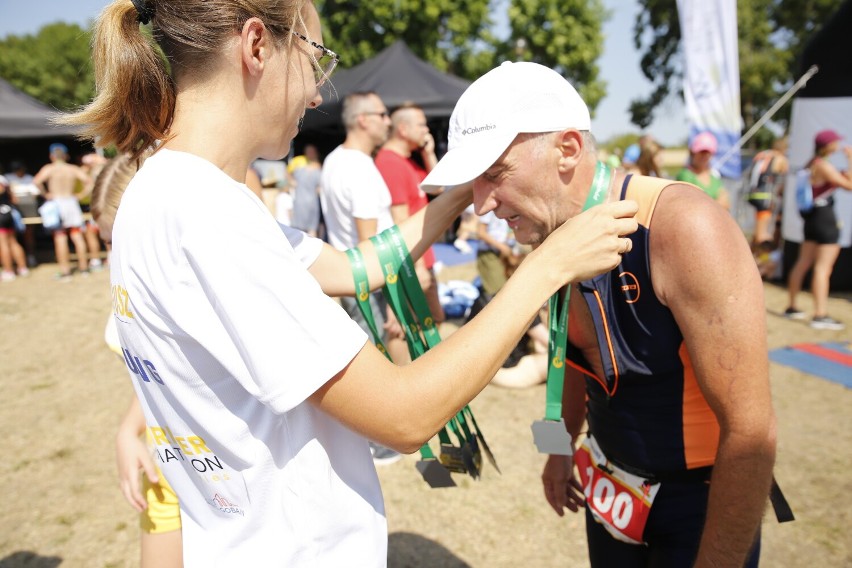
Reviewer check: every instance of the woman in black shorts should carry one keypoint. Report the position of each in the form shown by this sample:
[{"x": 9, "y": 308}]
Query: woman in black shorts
[{"x": 822, "y": 231}]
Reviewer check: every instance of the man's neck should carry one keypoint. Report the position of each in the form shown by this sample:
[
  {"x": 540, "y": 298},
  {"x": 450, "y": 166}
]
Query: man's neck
[
  {"x": 398, "y": 146},
  {"x": 357, "y": 140}
]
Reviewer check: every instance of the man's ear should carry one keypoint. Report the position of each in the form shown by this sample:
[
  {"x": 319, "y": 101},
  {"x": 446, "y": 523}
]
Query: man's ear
[
  {"x": 255, "y": 45},
  {"x": 571, "y": 149}
]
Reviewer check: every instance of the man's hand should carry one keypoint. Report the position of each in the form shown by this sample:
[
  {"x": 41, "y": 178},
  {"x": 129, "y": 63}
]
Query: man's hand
[{"x": 561, "y": 488}]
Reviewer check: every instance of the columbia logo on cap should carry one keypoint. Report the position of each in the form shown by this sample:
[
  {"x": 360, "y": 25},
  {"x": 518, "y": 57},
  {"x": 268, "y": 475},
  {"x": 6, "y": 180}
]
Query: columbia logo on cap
[{"x": 477, "y": 129}]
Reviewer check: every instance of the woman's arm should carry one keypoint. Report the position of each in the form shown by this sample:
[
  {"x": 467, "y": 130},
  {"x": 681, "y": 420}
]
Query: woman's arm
[
  {"x": 403, "y": 407},
  {"x": 826, "y": 170},
  {"x": 332, "y": 270}
]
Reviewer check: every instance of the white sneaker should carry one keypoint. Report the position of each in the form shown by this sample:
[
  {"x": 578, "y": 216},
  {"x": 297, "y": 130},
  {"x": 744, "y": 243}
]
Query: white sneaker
[
  {"x": 462, "y": 246},
  {"x": 23, "y": 272},
  {"x": 825, "y": 322},
  {"x": 7, "y": 276},
  {"x": 383, "y": 455}
]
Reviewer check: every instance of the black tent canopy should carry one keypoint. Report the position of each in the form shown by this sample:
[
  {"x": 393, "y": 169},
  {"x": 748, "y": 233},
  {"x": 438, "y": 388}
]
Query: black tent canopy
[
  {"x": 22, "y": 116},
  {"x": 398, "y": 76}
]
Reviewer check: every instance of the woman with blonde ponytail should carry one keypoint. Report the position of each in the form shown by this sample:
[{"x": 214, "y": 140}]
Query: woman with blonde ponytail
[{"x": 258, "y": 391}]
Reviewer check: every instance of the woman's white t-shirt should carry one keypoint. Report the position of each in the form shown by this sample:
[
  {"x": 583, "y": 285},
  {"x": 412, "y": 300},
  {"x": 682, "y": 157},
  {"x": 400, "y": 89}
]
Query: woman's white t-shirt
[{"x": 225, "y": 335}]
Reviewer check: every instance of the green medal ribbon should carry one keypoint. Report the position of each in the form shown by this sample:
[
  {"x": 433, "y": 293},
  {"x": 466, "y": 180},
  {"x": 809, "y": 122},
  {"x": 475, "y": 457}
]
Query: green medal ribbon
[
  {"x": 558, "y": 312},
  {"x": 362, "y": 295},
  {"x": 470, "y": 434},
  {"x": 412, "y": 286},
  {"x": 406, "y": 298},
  {"x": 396, "y": 298},
  {"x": 396, "y": 295}
]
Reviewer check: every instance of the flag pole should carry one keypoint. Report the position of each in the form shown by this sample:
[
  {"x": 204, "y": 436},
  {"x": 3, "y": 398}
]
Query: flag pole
[{"x": 769, "y": 114}]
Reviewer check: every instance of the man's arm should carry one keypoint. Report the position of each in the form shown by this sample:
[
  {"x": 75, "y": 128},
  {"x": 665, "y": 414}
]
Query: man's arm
[
  {"x": 42, "y": 177},
  {"x": 703, "y": 271},
  {"x": 562, "y": 489},
  {"x": 399, "y": 213},
  {"x": 366, "y": 228},
  {"x": 427, "y": 152}
]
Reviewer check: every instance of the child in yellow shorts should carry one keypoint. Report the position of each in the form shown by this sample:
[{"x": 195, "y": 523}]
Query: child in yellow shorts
[{"x": 154, "y": 499}]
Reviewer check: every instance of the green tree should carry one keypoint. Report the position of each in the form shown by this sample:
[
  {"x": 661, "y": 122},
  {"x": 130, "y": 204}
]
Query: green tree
[
  {"x": 563, "y": 34},
  {"x": 772, "y": 34},
  {"x": 54, "y": 66},
  {"x": 438, "y": 31},
  {"x": 457, "y": 36}
]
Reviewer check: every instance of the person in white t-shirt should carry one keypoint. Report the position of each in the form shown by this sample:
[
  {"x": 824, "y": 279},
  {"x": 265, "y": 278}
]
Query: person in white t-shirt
[
  {"x": 356, "y": 205},
  {"x": 258, "y": 391}
]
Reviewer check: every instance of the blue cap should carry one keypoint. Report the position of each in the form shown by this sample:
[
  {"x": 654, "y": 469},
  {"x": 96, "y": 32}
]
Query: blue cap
[
  {"x": 631, "y": 154},
  {"x": 57, "y": 147}
]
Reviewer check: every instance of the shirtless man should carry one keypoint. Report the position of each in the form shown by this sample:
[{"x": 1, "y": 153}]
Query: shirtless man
[
  {"x": 666, "y": 354},
  {"x": 56, "y": 181}
]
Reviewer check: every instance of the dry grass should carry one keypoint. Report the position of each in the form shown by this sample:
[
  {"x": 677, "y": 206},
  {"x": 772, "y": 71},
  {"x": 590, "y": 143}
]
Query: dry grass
[{"x": 64, "y": 392}]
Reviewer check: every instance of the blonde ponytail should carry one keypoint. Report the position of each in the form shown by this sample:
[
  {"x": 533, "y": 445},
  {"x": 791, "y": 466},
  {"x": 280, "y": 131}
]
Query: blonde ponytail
[
  {"x": 135, "y": 102},
  {"x": 135, "y": 98}
]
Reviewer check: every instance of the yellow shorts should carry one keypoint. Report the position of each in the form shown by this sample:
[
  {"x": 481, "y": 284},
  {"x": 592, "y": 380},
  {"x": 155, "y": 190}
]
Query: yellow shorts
[{"x": 163, "y": 512}]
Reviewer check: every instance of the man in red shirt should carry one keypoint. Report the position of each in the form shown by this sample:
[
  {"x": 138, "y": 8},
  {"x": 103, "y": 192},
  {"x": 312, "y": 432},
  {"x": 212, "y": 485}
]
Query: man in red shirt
[{"x": 402, "y": 174}]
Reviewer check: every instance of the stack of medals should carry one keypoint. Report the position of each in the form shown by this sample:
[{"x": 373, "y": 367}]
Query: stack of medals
[{"x": 406, "y": 298}]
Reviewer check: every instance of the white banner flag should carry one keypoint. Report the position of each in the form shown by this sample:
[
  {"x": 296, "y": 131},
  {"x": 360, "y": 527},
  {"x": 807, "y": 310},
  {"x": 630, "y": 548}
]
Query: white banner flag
[{"x": 712, "y": 74}]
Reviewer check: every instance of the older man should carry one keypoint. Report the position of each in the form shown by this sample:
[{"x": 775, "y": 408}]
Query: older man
[
  {"x": 670, "y": 344},
  {"x": 356, "y": 205}
]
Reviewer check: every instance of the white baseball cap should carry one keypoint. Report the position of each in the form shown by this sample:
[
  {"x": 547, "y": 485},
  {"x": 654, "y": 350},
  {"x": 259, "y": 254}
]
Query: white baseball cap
[{"x": 508, "y": 100}]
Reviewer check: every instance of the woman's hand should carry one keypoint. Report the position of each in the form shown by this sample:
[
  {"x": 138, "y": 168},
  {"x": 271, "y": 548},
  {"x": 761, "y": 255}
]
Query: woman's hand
[{"x": 590, "y": 243}]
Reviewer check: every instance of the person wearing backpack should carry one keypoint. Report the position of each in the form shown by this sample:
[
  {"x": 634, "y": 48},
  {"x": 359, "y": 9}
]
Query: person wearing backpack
[
  {"x": 822, "y": 231},
  {"x": 768, "y": 170}
]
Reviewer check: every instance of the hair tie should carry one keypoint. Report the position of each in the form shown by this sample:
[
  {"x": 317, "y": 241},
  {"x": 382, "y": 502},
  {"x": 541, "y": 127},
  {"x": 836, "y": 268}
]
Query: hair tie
[{"x": 145, "y": 12}]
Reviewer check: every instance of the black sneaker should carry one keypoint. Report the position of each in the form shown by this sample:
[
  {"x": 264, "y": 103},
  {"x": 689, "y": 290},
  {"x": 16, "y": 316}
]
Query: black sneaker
[
  {"x": 825, "y": 322},
  {"x": 794, "y": 314}
]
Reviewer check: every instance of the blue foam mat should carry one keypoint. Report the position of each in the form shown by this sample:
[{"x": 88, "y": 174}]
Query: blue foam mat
[
  {"x": 814, "y": 364},
  {"x": 449, "y": 255}
]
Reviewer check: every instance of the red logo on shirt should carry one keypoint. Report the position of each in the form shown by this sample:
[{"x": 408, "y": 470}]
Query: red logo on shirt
[{"x": 629, "y": 287}]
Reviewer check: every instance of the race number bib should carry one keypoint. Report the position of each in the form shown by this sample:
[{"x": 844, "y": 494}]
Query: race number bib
[{"x": 619, "y": 500}]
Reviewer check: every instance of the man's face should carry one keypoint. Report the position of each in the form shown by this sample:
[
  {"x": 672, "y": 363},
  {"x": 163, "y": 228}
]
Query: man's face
[
  {"x": 524, "y": 187},
  {"x": 414, "y": 128},
  {"x": 376, "y": 121}
]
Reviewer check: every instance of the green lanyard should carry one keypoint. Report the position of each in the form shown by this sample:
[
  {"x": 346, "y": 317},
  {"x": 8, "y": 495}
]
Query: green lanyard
[
  {"x": 466, "y": 433},
  {"x": 406, "y": 298},
  {"x": 412, "y": 286},
  {"x": 362, "y": 295},
  {"x": 396, "y": 295},
  {"x": 558, "y": 312}
]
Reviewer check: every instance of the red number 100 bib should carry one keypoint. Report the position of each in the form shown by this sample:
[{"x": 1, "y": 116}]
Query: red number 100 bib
[{"x": 619, "y": 500}]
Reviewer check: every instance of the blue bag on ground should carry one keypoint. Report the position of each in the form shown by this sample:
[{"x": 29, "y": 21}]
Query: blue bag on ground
[
  {"x": 20, "y": 227},
  {"x": 50, "y": 218}
]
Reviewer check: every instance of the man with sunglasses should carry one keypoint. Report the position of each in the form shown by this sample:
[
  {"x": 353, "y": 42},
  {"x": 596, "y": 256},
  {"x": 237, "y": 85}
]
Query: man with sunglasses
[{"x": 356, "y": 204}]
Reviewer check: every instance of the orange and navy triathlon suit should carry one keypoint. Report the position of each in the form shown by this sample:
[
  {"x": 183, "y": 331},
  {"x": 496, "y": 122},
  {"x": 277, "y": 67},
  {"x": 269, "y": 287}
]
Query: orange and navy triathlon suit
[{"x": 647, "y": 413}]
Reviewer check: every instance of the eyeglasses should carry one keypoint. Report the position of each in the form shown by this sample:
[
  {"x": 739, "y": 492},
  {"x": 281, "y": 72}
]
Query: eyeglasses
[
  {"x": 383, "y": 114},
  {"x": 325, "y": 64}
]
